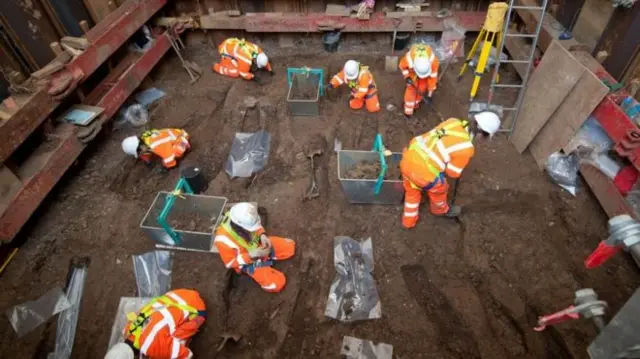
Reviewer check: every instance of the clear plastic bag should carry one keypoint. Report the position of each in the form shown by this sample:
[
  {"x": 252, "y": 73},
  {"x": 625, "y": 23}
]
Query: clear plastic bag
[
  {"x": 353, "y": 294},
  {"x": 153, "y": 273},
  {"x": 127, "y": 305},
  {"x": 354, "y": 348},
  {"x": 564, "y": 170},
  {"x": 28, "y": 316},
  {"x": 249, "y": 153},
  {"x": 136, "y": 114},
  {"x": 68, "y": 319}
]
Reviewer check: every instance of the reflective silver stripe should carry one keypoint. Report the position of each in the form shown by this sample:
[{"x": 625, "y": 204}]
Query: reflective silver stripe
[
  {"x": 160, "y": 142},
  {"x": 430, "y": 153},
  {"x": 413, "y": 214},
  {"x": 337, "y": 78},
  {"x": 226, "y": 241},
  {"x": 434, "y": 75},
  {"x": 409, "y": 59},
  {"x": 152, "y": 336},
  {"x": 190, "y": 356},
  {"x": 169, "y": 159},
  {"x": 169, "y": 318},
  {"x": 175, "y": 349},
  {"x": 411, "y": 205},
  {"x": 459, "y": 146},
  {"x": 405, "y": 72},
  {"x": 244, "y": 74},
  {"x": 363, "y": 89},
  {"x": 270, "y": 286},
  {"x": 172, "y": 135},
  {"x": 454, "y": 168},
  {"x": 177, "y": 298},
  {"x": 443, "y": 151},
  {"x": 240, "y": 259}
]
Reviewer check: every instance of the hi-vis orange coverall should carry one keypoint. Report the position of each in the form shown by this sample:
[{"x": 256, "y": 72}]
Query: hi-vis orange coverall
[
  {"x": 363, "y": 89},
  {"x": 169, "y": 144},
  {"x": 445, "y": 149},
  {"x": 412, "y": 97},
  {"x": 161, "y": 329},
  {"x": 237, "y": 57},
  {"x": 234, "y": 252}
]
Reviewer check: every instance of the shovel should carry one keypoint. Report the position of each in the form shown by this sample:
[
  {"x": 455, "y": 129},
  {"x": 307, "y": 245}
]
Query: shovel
[{"x": 391, "y": 62}]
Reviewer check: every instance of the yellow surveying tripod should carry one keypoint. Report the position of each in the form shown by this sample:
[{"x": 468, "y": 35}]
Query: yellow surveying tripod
[{"x": 491, "y": 30}]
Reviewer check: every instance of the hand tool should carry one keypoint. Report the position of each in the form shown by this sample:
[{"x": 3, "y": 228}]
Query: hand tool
[
  {"x": 225, "y": 338},
  {"x": 586, "y": 306},
  {"x": 192, "y": 68},
  {"x": 315, "y": 148}
]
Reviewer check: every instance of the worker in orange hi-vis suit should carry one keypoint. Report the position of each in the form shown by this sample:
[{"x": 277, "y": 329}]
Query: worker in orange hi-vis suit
[
  {"x": 360, "y": 81},
  {"x": 239, "y": 58},
  {"x": 162, "y": 328},
  {"x": 244, "y": 246},
  {"x": 169, "y": 144},
  {"x": 419, "y": 67},
  {"x": 446, "y": 149}
]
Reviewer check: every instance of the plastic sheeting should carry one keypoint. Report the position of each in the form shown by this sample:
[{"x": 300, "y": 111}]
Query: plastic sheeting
[
  {"x": 354, "y": 348},
  {"x": 353, "y": 295},
  {"x": 564, "y": 170},
  {"x": 249, "y": 153},
  {"x": 27, "y": 316},
  {"x": 68, "y": 319},
  {"x": 153, "y": 273},
  {"x": 127, "y": 305}
]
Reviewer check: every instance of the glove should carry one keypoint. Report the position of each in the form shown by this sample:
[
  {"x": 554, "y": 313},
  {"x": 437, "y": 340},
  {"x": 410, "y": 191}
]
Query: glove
[
  {"x": 265, "y": 242},
  {"x": 330, "y": 86},
  {"x": 260, "y": 252},
  {"x": 428, "y": 101},
  {"x": 410, "y": 81},
  {"x": 387, "y": 153},
  {"x": 271, "y": 72},
  {"x": 257, "y": 79}
]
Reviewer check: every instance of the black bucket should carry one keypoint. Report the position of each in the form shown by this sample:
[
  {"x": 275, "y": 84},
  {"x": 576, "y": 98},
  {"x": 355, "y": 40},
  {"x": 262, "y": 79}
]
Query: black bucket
[
  {"x": 331, "y": 40},
  {"x": 194, "y": 177},
  {"x": 402, "y": 40}
]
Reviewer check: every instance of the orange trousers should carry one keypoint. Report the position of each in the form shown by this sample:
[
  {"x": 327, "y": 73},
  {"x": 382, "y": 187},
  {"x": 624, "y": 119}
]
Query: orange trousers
[
  {"x": 412, "y": 98},
  {"x": 226, "y": 67},
  {"x": 412, "y": 197},
  {"x": 372, "y": 102},
  {"x": 270, "y": 279}
]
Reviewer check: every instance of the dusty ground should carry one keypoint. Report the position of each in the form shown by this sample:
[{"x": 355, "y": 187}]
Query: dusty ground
[{"x": 468, "y": 289}]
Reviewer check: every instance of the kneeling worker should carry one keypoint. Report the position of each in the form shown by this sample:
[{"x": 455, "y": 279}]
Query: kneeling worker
[
  {"x": 162, "y": 327},
  {"x": 446, "y": 149},
  {"x": 168, "y": 144},
  {"x": 239, "y": 58},
  {"x": 360, "y": 81},
  {"x": 244, "y": 246}
]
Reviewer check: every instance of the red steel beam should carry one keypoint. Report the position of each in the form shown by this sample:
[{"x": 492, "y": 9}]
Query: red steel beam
[
  {"x": 105, "y": 38},
  {"x": 309, "y": 22},
  {"x": 34, "y": 190},
  {"x": 610, "y": 199}
]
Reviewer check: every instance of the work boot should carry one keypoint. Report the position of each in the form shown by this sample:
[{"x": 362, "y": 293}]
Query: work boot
[
  {"x": 454, "y": 211},
  {"x": 408, "y": 117}
]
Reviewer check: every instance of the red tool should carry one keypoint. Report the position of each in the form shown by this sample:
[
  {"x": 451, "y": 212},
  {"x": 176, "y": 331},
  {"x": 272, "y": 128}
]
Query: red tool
[
  {"x": 624, "y": 232},
  {"x": 586, "y": 306}
]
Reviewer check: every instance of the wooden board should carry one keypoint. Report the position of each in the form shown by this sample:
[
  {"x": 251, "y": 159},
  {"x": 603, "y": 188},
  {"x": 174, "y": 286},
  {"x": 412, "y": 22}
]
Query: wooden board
[
  {"x": 549, "y": 85},
  {"x": 568, "y": 118}
]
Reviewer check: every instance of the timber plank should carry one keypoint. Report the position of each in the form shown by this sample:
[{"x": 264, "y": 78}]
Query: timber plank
[
  {"x": 551, "y": 82},
  {"x": 568, "y": 118}
]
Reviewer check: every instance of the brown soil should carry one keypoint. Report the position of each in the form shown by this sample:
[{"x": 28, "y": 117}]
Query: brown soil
[
  {"x": 449, "y": 289},
  {"x": 191, "y": 221},
  {"x": 303, "y": 90},
  {"x": 371, "y": 170}
]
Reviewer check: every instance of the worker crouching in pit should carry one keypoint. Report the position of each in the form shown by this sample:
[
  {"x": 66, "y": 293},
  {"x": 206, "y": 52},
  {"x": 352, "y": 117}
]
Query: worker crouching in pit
[
  {"x": 244, "y": 247},
  {"x": 419, "y": 67},
  {"x": 169, "y": 145},
  {"x": 445, "y": 150},
  {"x": 162, "y": 328},
  {"x": 362, "y": 85},
  {"x": 241, "y": 58}
]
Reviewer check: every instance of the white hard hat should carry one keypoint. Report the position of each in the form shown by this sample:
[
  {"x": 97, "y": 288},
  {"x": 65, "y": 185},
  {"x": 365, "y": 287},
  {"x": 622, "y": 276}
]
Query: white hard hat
[
  {"x": 120, "y": 351},
  {"x": 351, "y": 68},
  {"x": 488, "y": 122},
  {"x": 130, "y": 145},
  {"x": 262, "y": 60},
  {"x": 246, "y": 216},
  {"x": 422, "y": 67}
]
